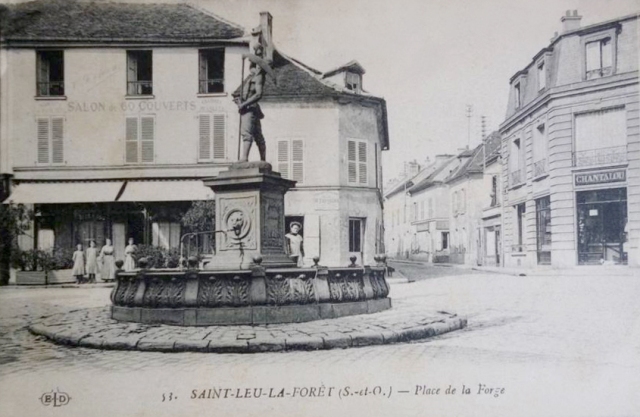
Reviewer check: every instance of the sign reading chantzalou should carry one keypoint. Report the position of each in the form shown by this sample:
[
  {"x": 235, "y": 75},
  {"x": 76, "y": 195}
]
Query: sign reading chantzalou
[{"x": 592, "y": 178}]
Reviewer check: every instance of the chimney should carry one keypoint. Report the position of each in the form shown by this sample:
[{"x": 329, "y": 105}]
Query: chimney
[
  {"x": 266, "y": 26},
  {"x": 570, "y": 21}
]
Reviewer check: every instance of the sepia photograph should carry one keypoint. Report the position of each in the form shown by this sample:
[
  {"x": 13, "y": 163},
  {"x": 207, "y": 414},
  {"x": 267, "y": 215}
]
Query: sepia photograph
[{"x": 319, "y": 208}]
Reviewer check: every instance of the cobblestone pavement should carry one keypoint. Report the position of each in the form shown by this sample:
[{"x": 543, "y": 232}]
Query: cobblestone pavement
[{"x": 558, "y": 345}]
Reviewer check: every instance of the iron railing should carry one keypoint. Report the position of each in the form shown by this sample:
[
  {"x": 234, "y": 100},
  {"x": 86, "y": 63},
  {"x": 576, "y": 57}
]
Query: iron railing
[
  {"x": 215, "y": 85},
  {"x": 50, "y": 88},
  {"x": 139, "y": 88},
  {"x": 540, "y": 168},
  {"x": 516, "y": 177},
  {"x": 602, "y": 156}
]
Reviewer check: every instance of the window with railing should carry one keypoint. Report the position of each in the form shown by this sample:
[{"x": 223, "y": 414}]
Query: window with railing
[
  {"x": 516, "y": 163},
  {"x": 139, "y": 73},
  {"x": 599, "y": 58},
  {"x": 539, "y": 151},
  {"x": 50, "y": 73},
  {"x": 211, "y": 71},
  {"x": 601, "y": 137},
  {"x": 516, "y": 177}
]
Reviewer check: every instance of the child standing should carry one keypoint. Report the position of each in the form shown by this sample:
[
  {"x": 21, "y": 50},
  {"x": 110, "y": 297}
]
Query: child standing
[
  {"x": 295, "y": 250},
  {"x": 78, "y": 264},
  {"x": 92, "y": 261}
]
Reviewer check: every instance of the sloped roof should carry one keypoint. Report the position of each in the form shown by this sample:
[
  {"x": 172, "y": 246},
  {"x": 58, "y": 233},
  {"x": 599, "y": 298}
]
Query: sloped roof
[
  {"x": 353, "y": 66},
  {"x": 57, "y": 20},
  {"x": 434, "y": 177},
  {"x": 472, "y": 165},
  {"x": 492, "y": 146}
]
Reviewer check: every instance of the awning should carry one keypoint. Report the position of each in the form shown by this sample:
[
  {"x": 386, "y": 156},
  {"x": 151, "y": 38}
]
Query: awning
[
  {"x": 64, "y": 192},
  {"x": 168, "y": 190}
]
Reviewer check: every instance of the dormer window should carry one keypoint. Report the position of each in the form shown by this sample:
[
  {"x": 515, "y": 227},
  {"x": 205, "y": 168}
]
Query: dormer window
[
  {"x": 353, "y": 81},
  {"x": 542, "y": 76},
  {"x": 518, "y": 98},
  {"x": 599, "y": 58}
]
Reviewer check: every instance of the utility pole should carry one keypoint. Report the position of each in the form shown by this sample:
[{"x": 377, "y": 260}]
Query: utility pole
[{"x": 469, "y": 114}]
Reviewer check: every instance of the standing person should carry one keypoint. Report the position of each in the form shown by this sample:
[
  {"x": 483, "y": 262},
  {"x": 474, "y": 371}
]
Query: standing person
[
  {"x": 294, "y": 244},
  {"x": 129, "y": 260},
  {"x": 92, "y": 261},
  {"x": 108, "y": 270},
  {"x": 78, "y": 264}
]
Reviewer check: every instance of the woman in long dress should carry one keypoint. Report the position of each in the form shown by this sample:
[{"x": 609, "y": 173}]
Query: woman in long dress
[
  {"x": 108, "y": 271},
  {"x": 129, "y": 261},
  {"x": 92, "y": 261},
  {"x": 78, "y": 264}
]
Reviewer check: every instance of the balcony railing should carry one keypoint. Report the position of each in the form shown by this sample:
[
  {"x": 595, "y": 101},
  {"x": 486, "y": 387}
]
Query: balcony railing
[
  {"x": 516, "y": 177},
  {"x": 212, "y": 86},
  {"x": 602, "y": 156},
  {"x": 139, "y": 88},
  {"x": 51, "y": 88},
  {"x": 540, "y": 168},
  {"x": 518, "y": 248}
]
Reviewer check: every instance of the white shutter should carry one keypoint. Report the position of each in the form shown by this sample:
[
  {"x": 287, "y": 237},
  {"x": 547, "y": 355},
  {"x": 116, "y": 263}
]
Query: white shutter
[
  {"x": 131, "y": 140},
  {"x": 57, "y": 140},
  {"x": 351, "y": 158},
  {"x": 283, "y": 158},
  {"x": 204, "y": 147},
  {"x": 362, "y": 163},
  {"x": 607, "y": 56},
  {"x": 202, "y": 72},
  {"x": 219, "y": 135},
  {"x": 147, "y": 138},
  {"x": 43, "y": 141},
  {"x": 297, "y": 160}
]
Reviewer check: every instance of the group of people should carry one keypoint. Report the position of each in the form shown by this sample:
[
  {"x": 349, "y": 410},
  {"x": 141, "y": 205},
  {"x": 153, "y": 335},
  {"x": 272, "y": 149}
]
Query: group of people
[{"x": 86, "y": 265}]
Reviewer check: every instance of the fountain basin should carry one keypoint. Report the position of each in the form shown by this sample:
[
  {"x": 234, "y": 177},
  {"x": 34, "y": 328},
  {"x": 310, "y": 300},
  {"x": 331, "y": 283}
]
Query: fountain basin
[{"x": 249, "y": 296}]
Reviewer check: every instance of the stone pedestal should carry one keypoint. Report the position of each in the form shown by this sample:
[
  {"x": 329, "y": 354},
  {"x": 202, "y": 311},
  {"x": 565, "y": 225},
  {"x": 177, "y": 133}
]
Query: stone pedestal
[{"x": 250, "y": 217}]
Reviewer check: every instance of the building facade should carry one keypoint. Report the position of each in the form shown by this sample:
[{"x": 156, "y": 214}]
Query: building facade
[
  {"x": 571, "y": 150},
  {"x": 491, "y": 203},
  {"x": 108, "y": 129}
]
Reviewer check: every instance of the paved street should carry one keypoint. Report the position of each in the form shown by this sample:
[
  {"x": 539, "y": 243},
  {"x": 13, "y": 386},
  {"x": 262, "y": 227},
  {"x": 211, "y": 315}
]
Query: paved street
[{"x": 557, "y": 345}]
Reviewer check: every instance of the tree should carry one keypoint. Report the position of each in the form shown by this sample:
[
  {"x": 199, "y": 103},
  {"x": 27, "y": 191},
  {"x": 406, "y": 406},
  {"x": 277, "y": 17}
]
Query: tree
[
  {"x": 201, "y": 216},
  {"x": 14, "y": 221}
]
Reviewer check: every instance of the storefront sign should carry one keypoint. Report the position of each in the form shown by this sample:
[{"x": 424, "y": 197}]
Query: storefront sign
[{"x": 619, "y": 175}]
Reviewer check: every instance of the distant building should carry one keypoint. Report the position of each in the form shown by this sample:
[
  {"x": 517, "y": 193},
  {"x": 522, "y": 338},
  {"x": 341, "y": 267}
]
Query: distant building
[
  {"x": 491, "y": 203},
  {"x": 571, "y": 150}
]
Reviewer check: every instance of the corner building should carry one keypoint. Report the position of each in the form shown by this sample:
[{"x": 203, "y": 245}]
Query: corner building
[{"x": 571, "y": 150}]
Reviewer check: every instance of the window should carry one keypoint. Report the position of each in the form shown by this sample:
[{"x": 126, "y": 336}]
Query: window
[
  {"x": 139, "y": 140},
  {"x": 211, "y": 73},
  {"x": 212, "y": 136},
  {"x": 50, "y": 140},
  {"x": 494, "y": 191},
  {"x": 353, "y": 81},
  {"x": 539, "y": 151},
  {"x": 445, "y": 240},
  {"x": 139, "y": 73},
  {"x": 517, "y": 95},
  {"x": 355, "y": 235},
  {"x": 50, "y": 73},
  {"x": 165, "y": 234},
  {"x": 291, "y": 159},
  {"x": 357, "y": 162},
  {"x": 601, "y": 137},
  {"x": 542, "y": 76},
  {"x": 520, "y": 213},
  {"x": 516, "y": 162},
  {"x": 599, "y": 58}
]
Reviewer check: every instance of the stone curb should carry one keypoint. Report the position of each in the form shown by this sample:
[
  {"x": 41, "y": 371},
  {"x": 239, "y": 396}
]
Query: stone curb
[{"x": 330, "y": 341}]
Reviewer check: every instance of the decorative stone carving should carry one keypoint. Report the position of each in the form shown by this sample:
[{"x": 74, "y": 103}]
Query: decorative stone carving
[
  {"x": 273, "y": 223},
  {"x": 165, "y": 292},
  {"x": 345, "y": 285},
  {"x": 290, "y": 288},
  {"x": 238, "y": 216},
  {"x": 378, "y": 284},
  {"x": 223, "y": 291}
]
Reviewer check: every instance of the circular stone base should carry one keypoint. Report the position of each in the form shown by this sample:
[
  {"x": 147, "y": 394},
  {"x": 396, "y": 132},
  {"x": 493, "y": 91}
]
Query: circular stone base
[
  {"x": 249, "y": 315},
  {"x": 94, "y": 328}
]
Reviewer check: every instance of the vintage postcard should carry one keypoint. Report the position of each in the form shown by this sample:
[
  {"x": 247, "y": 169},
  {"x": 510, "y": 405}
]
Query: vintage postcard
[{"x": 319, "y": 208}]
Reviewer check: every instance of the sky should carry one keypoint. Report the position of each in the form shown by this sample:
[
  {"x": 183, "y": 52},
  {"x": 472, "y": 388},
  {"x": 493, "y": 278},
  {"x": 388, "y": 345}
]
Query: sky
[{"x": 428, "y": 58}]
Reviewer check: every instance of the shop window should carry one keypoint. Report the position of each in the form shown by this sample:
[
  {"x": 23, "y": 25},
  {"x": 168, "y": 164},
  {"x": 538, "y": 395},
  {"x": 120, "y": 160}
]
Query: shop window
[
  {"x": 291, "y": 159},
  {"x": 601, "y": 137},
  {"x": 50, "y": 140},
  {"x": 140, "y": 140},
  {"x": 211, "y": 71},
  {"x": 543, "y": 229},
  {"x": 139, "y": 73},
  {"x": 212, "y": 140},
  {"x": 50, "y": 73}
]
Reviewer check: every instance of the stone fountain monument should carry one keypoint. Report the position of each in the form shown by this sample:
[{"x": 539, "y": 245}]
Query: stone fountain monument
[{"x": 250, "y": 279}]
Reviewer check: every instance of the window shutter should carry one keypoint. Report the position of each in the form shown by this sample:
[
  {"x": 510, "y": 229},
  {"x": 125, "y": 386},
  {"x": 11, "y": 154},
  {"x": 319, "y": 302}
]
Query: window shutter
[
  {"x": 593, "y": 56},
  {"x": 362, "y": 162},
  {"x": 204, "y": 121},
  {"x": 283, "y": 158},
  {"x": 219, "y": 135},
  {"x": 351, "y": 157},
  {"x": 297, "y": 160},
  {"x": 132, "y": 73},
  {"x": 146, "y": 138},
  {"x": 131, "y": 140},
  {"x": 43, "y": 141},
  {"x": 57, "y": 140},
  {"x": 43, "y": 75},
  {"x": 202, "y": 72},
  {"x": 607, "y": 56}
]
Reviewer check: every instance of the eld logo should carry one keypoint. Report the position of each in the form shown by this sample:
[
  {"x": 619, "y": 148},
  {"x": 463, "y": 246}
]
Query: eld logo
[{"x": 55, "y": 398}]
